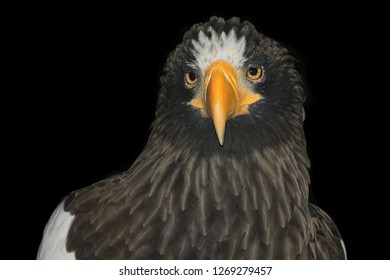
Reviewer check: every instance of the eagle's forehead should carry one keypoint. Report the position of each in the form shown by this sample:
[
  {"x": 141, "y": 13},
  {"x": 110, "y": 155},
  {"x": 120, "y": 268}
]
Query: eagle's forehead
[{"x": 213, "y": 46}]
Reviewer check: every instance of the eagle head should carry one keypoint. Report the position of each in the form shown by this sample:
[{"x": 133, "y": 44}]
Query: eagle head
[{"x": 229, "y": 85}]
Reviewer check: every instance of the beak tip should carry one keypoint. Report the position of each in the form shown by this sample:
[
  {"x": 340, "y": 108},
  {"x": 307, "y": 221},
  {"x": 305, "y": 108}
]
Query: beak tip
[
  {"x": 219, "y": 126},
  {"x": 220, "y": 138}
]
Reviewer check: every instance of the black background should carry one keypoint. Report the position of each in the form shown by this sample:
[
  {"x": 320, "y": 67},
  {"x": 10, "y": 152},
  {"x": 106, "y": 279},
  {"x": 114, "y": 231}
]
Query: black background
[{"x": 84, "y": 82}]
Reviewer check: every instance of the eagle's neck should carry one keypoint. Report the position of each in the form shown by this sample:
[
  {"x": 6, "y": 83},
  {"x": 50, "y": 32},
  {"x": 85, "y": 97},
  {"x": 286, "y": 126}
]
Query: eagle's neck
[
  {"x": 225, "y": 205},
  {"x": 187, "y": 204}
]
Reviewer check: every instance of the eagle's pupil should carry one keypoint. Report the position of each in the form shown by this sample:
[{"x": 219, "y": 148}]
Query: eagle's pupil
[
  {"x": 253, "y": 71},
  {"x": 192, "y": 76}
]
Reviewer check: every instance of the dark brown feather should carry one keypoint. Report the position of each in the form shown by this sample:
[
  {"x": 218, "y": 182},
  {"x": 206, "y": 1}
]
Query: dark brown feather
[
  {"x": 186, "y": 197},
  {"x": 213, "y": 224}
]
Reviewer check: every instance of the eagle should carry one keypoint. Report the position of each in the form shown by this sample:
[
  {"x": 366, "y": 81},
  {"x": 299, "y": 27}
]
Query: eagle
[{"x": 224, "y": 173}]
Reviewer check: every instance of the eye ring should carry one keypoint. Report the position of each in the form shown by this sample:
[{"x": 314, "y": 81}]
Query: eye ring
[
  {"x": 191, "y": 78},
  {"x": 254, "y": 73}
]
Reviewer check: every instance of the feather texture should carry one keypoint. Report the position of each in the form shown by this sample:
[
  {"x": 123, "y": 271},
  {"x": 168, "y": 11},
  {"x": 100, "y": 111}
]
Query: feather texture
[{"x": 186, "y": 197}]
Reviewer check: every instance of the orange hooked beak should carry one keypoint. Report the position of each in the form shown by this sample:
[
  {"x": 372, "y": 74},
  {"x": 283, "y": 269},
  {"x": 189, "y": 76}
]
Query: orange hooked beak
[{"x": 224, "y": 96}]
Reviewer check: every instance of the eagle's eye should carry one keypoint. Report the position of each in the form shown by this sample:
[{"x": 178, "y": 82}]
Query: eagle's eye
[
  {"x": 191, "y": 78},
  {"x": 254, "y": 73}
]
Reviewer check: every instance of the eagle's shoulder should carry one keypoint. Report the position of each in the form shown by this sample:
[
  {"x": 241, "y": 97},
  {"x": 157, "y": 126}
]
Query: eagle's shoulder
[
  {"x": 53, "y": 245},
  {"x": 75, "y": 210},
  {"x": 326, "y": 241}
]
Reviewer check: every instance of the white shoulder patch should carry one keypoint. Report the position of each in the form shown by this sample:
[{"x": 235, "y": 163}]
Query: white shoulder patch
[
  {"x": 53, "y": 245},
  {"x": 217, "y": 47}
]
